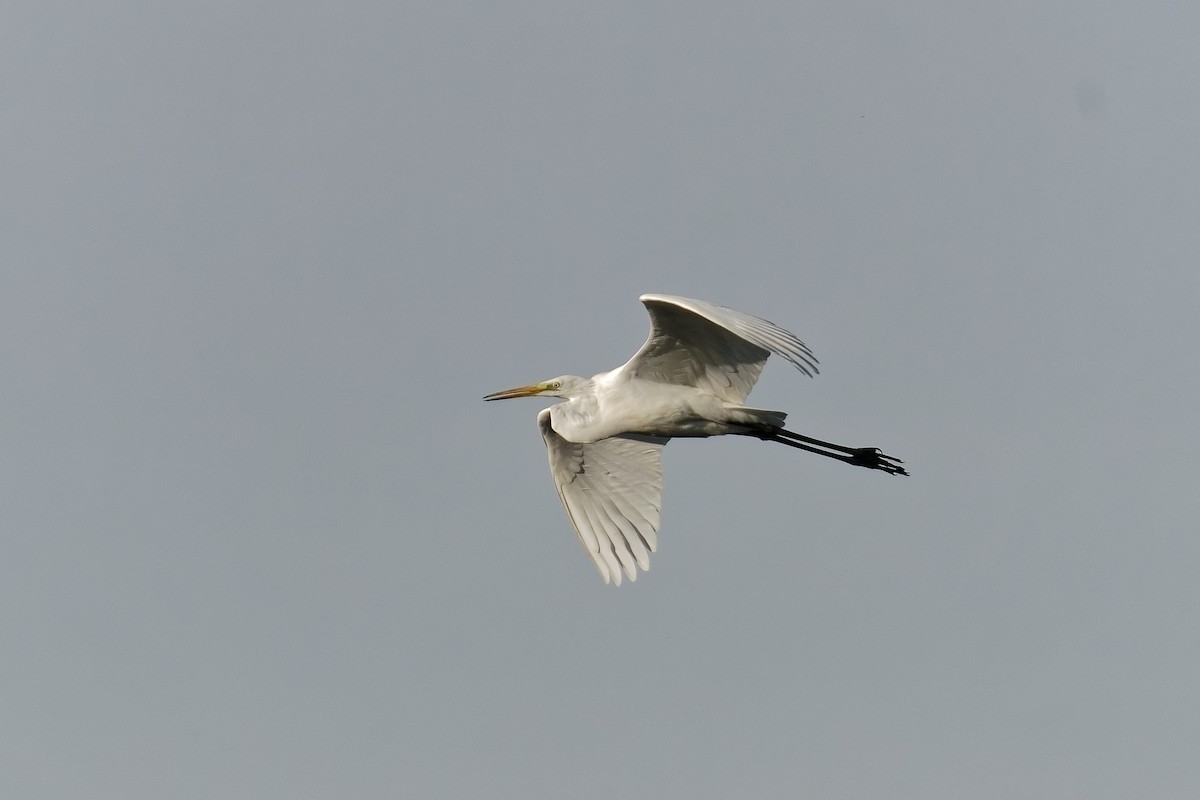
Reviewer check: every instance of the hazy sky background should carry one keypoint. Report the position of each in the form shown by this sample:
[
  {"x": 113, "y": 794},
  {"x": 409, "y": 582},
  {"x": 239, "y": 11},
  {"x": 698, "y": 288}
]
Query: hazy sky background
[{"x": 261, "y": 538}]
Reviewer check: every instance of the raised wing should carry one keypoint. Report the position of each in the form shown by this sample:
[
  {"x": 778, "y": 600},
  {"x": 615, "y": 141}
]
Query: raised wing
[
  {"x": 711, "y": 347},
  {"x": 612, "y": 492}
]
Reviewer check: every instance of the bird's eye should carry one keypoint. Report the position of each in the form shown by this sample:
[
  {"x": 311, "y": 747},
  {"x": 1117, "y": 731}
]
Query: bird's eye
[{"x": 555, "y": 384}]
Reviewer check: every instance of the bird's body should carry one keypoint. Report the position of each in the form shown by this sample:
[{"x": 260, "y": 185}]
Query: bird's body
[
  {"x": 617, "y": 402},
  {"x": 689, "y": 379}
]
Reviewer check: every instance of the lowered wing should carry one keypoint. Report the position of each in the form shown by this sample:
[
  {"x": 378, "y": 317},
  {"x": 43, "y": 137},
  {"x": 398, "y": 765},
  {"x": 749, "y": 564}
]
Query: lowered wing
[{"x": 612, "y": 493}]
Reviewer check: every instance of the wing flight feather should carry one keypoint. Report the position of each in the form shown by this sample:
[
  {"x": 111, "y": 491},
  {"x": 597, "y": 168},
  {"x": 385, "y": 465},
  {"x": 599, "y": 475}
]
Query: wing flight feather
[
  {"x": 612, "y": 493},
  {"x": 702, "y": 344}
]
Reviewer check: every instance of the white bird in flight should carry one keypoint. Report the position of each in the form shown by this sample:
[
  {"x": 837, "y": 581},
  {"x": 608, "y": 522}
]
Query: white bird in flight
[{"x": 690, "y": 378}]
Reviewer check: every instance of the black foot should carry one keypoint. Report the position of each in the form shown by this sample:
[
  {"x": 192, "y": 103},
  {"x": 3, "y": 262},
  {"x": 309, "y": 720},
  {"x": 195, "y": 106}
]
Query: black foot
[{"x": 873, "y": 458}]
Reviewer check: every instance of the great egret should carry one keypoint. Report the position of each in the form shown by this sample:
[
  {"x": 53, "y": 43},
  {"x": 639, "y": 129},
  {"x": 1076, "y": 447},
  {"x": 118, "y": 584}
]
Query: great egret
[{"x": 689, "y": 379}]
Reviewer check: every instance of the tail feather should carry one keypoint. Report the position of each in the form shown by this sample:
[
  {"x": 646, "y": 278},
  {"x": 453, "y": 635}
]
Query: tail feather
[{"x": 759, "y": 417}]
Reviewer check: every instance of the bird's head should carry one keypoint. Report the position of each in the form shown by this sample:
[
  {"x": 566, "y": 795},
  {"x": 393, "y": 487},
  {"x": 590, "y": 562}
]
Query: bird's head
[{"x": 562, "y": 386}]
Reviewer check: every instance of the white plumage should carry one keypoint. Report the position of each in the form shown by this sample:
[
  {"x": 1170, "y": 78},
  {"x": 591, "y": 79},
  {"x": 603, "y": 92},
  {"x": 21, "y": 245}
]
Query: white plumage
[{"x": 690, "y": 378}]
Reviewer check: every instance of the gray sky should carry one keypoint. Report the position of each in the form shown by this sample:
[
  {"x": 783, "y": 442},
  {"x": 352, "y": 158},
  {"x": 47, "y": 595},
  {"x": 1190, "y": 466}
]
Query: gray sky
[{"x": 260, "y": 261}]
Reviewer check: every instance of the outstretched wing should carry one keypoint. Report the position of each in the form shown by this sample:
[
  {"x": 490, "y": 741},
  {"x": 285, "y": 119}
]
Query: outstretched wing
[
  {"x": 612, "y": 492},
  {"x": 711, "y": 347}
]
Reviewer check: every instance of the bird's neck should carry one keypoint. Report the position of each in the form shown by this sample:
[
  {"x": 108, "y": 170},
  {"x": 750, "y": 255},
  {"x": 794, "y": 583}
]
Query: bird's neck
[
  {"x": 585, "y": 406},
  {"x": 575, "y": 419}
]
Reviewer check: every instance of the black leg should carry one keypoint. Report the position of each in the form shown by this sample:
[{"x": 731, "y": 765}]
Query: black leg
[{"x": 868, "y": 457}]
